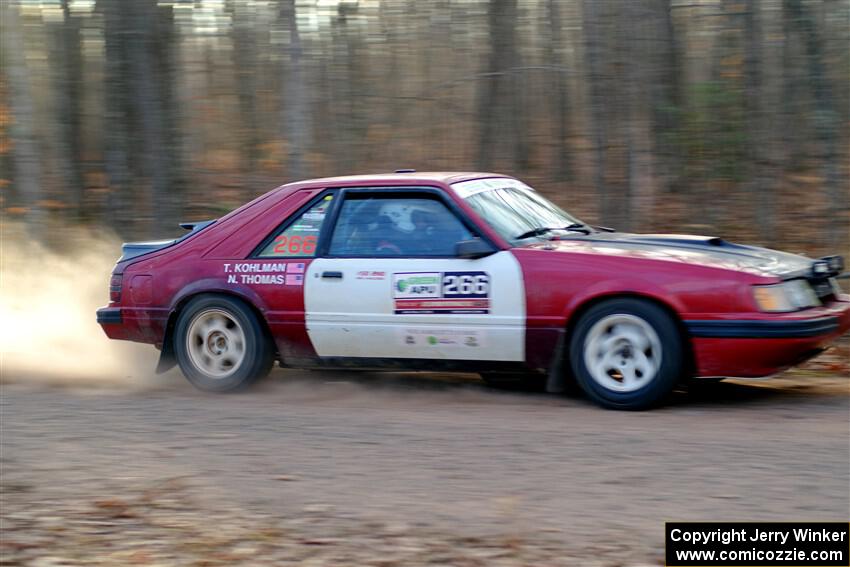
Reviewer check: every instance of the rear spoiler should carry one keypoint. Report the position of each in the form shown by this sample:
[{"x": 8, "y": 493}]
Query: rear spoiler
[
  {"x": 132, "y": 250},
  {"x": 196, "y": 226}
]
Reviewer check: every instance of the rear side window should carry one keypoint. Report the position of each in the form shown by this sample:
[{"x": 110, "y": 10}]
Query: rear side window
[{"x": 300, "y": 237}]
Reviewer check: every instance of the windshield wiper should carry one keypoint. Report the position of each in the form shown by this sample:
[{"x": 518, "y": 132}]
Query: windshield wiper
[
  {"x": 576, "y": 227},
  {"x": 579, "y": 227},
  {"x": 535, "y": 232}
]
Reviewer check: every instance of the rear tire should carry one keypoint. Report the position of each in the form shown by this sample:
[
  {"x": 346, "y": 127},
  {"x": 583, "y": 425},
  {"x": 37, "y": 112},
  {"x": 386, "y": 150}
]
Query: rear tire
[
  {"x": 220, "y": 345},
  {"x": 627, "y": 354}
]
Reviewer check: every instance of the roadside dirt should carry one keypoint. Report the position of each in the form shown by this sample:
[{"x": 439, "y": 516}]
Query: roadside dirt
[{"x": 349, "y": 469}]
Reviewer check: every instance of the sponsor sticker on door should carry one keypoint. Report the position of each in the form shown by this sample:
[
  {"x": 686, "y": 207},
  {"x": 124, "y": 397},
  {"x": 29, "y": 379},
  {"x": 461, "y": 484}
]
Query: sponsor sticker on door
[
  {"x": 371, "y": 275},
  {"x": 416, "y": 285},
  {"x": 441, "y": 292},
  {"x": 431, "y": 338}
]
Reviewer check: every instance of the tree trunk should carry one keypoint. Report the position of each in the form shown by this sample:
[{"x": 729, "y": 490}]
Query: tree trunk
[
  {"x": 296, "y": 102},
  {"x": 148, "y": 108},
  {"x": 66, "y": 70},
  {"x": 246, "y": 64},
  {"x": 825, "y": 117},
  {"x": 26, "y": 153},
  {"x": 593, "y": 56},
  {"x": 793, "y": 95},
  {"x": 759, "y": 185},
  {"x": 117, "y": 101},
  {"x": 640, "y": 185},
  {"x": 172, "y": 153},
  {"x": 666, "y": 95},
  {"x": 519, "y": 93},
  {"x": 560, "y": 96},
  {"x": 494, "y": 117}
]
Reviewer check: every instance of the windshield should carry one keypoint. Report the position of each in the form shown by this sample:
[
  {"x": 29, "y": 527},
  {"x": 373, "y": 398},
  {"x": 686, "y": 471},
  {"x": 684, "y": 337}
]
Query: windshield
[{"x": 514, "y": 210}]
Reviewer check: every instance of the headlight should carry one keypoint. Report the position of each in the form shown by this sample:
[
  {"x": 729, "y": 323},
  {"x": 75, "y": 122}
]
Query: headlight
[{"x": 786, "y": 296}]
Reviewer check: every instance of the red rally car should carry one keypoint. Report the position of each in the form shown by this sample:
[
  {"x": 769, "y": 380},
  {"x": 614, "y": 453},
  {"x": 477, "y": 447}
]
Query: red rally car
[{"x": 473, "y": 272}]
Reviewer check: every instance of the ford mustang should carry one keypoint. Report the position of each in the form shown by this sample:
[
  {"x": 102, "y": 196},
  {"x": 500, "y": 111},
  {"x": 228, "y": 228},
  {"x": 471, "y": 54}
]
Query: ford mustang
[{"x": 471, "y": 272}]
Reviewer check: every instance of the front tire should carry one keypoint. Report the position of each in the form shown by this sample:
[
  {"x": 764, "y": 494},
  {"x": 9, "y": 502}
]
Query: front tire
[
  {"x": 627, "y": 354},
  {"x": 220, "y": 344}
]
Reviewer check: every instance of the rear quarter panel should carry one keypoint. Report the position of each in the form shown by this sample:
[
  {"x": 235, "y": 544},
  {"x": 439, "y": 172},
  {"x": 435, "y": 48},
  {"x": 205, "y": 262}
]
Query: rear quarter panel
[{"x": 203, "y": 264}]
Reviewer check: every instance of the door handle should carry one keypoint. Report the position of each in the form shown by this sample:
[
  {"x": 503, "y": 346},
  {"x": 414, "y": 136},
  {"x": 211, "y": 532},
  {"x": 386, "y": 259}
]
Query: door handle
[{"x": 336, "y": 275}]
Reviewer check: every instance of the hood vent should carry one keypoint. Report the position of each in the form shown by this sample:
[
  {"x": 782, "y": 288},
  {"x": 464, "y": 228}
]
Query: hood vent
[{"x": 679, "y": 239}]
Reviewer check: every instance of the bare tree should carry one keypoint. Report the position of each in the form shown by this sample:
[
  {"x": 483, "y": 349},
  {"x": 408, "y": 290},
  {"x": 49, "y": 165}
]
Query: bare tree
[
  {"x": 759, "y": 167},
  {"x": 593, "y": 62},
  {"x": 665, "y": 84},
  {"x": 639, "y": 198},
  {"x": 825, "y": 115},
  {"x": 117, "y": 131},
  {"x": 66, "y": 70},
  {"x": 149, "y": 112},
  {"x": 495, "y": 120},
  {"x": 560, "y": 94},
  {"x": 245, "y": 63},
  {"x": 719, "y": 105},
  {"x": 296, "y": 111},
  {"x": 26, "y": 152}
]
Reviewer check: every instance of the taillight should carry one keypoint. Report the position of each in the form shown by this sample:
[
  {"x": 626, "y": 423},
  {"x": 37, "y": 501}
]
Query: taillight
[{"x": 115, "y": 288}]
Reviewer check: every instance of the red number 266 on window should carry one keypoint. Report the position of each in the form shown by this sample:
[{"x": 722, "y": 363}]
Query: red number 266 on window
[{"x": 295, "y": 245}]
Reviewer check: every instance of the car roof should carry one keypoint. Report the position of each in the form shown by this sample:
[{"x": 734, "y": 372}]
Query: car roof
[{"x": 412, "y": 178}]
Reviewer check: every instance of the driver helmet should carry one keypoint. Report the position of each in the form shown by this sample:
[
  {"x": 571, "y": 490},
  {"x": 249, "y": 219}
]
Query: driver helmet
[{"x": 406, "y": 216}]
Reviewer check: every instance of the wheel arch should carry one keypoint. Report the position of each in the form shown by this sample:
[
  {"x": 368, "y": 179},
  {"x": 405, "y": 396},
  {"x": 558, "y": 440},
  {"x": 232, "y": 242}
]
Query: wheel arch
[
  {"x": 558, "y": 373},
  {"x": 168, "y": 359},
  {"x": 579, "y": 310}
]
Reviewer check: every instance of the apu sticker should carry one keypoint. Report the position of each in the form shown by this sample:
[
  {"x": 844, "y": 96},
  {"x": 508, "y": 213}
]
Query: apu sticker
[
  {"x": 416, "y": 284},
  {"x": 441, "y": 292}
]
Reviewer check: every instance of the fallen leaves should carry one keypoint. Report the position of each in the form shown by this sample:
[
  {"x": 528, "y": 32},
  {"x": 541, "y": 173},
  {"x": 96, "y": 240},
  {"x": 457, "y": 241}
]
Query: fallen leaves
[{"x": 164, "y": 524}]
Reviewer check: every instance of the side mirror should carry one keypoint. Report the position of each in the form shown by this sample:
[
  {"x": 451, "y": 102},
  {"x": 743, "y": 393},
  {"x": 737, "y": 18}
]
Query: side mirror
[{"x": 472, "y": 249}]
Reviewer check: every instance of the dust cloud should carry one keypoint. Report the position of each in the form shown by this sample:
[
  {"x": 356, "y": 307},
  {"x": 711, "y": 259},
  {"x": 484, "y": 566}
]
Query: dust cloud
[
  {"x": 48, "y": 334},
  {"x": 48, "y": 299}
]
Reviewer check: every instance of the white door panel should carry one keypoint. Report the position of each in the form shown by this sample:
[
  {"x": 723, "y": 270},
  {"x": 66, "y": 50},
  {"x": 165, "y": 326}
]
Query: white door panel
[{"x": 417, "y": 308}]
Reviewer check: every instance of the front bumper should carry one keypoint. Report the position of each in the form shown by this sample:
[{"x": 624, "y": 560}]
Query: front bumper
[
  {"x": 767, "y": 345},
  {"x": 744, "y": 329}
]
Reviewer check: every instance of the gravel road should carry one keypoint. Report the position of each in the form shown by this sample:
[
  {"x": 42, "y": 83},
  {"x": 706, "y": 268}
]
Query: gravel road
[{"x": 326, "y": 468}]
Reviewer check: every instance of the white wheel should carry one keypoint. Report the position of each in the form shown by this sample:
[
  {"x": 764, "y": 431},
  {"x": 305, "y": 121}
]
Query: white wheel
[
  {"x": 616, "y": 353},
  {"x": 220, "y": 343},
  {"x": 215, "y": 343},
  {"x": 622, "y": 353}
]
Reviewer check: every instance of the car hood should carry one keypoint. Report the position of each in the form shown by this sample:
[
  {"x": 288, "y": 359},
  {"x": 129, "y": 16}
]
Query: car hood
[{"x": 691, "y": 249}]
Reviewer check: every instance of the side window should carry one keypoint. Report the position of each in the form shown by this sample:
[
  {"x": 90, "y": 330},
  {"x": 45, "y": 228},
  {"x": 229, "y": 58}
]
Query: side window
[
  {"x": 300, "y": 237},
  {"x": 396, "y": 226}
]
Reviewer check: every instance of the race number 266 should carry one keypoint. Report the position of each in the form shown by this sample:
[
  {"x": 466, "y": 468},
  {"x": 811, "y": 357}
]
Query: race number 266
[{"x": 466, "y": 284}]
